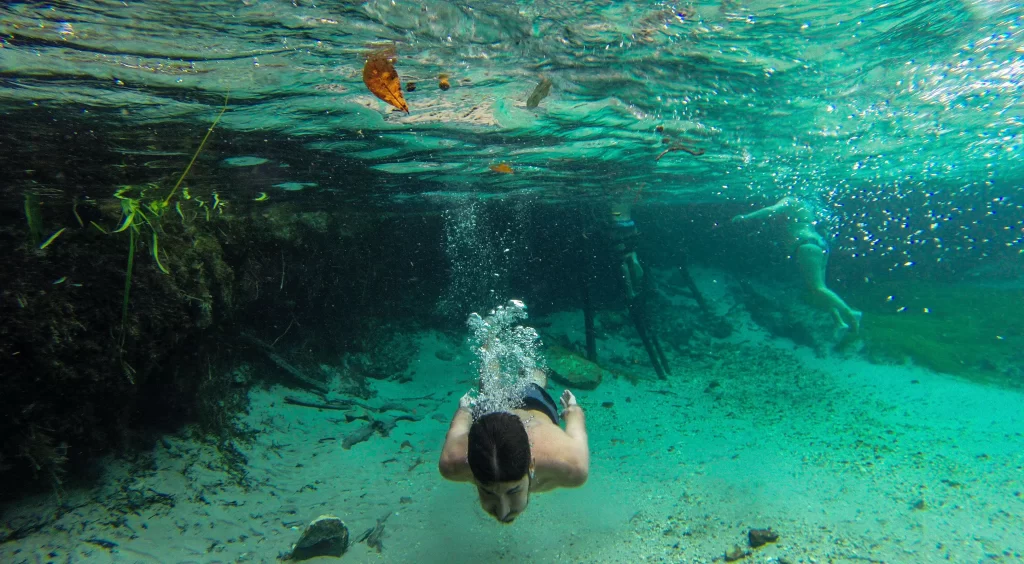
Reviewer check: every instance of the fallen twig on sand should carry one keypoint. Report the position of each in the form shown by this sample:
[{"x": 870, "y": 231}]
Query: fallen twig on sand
[
  {"x": 318, "y": 405},
  {"x": 381, "y": 426},
  {"x": 360, "y": 435},
  {"x": 373, "y": 535},
  {"x": 345, "y": 404},
  {"x": 286, "y": 366}
]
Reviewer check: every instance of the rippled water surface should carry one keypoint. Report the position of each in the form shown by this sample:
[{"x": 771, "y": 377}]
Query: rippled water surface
[
  {"x": 839, "y": 95},
  {"x": 882, "y": 108}
]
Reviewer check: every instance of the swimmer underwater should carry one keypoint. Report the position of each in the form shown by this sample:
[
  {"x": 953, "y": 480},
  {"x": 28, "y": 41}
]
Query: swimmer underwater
[{"x": 509, "y": 455}]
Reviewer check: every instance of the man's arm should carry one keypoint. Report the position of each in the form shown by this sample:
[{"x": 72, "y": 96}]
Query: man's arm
[
  {"x": 576, "y": 458},
  {"x": 454, "y": 464},
  {"x": 579, "y": 456}
]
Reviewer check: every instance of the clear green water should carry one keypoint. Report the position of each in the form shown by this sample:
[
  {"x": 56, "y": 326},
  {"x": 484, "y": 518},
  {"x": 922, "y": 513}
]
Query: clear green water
[{"x": 903, "y": 120}]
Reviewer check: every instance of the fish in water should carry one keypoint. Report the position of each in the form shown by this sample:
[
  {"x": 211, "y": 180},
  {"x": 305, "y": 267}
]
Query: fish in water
[
  {"x": 539, "y": 93},
  {"x": 502, "y": 168}
]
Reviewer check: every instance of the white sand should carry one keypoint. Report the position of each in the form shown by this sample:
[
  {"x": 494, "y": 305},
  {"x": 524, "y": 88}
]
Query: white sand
[{"x": 833, "y": 454}]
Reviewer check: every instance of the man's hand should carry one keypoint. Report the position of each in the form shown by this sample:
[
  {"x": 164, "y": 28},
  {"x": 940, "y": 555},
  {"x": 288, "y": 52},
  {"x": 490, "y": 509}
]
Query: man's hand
[{"x": 568, "y": 400}]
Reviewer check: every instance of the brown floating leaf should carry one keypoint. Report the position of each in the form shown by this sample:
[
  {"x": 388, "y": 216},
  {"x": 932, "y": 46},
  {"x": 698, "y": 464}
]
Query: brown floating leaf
[
  {"x": 381, "y": 78},
  {"x": 502, "y": 168}
]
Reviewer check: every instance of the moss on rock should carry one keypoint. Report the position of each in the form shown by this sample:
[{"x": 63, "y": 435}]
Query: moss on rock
[{"x": 571, "y": 369}]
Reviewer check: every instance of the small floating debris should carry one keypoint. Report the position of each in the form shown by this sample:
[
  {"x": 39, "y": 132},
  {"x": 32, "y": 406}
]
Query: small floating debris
[
  {"x": 503, "y": 168},
  {"x": 244, "y": 161},
  {"x": 295, "y": 186},
  {"x": 260, "y": 197},
  {"x": 539, "y": 93},
  {"x": 678, "y": 147}
]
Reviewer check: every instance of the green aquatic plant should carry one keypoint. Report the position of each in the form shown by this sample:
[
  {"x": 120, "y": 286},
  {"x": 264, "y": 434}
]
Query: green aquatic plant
[
  {"x": 52, "y": 238},
  {"x": 34, "y": 218},
  {"x": 136, "y": 217},
  {"x": 142, "y": 211},
  {"x": 971, "y": 331},
  {"x": 124, "y": 305}
]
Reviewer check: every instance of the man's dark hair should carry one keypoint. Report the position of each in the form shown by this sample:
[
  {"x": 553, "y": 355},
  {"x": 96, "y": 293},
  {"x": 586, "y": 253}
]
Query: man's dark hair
[{"x": 499, "y": 448}]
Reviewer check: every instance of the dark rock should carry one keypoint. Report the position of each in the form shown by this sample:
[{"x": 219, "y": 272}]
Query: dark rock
[
  {"x": 326, "y": 535},
  {"x": 760, "y": 537},
  {"x": 445, "y": 355}
]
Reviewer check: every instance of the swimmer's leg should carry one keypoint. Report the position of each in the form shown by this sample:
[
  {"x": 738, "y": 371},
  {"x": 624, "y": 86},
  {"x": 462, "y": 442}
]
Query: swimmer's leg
[
  {"x": 657, "y": 347},
  {"x": 857, "y": 316},
  {"x": 632, "y": 275},
  {"x": 641, "y": 329},
  {"x": 839, "y": 319},
  {"x": 813, "y": 260}
]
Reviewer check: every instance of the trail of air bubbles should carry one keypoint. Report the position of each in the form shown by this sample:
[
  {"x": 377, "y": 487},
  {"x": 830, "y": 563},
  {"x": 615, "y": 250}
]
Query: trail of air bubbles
[{"x": 507, "y": 353}]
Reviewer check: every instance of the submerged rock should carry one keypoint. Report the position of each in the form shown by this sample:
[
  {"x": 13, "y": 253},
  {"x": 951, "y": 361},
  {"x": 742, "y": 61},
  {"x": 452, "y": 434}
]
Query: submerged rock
[
  {"x": 571, "y": 369},
  {"x": 736, "y": 553},
  {"x": 760, "y": 537},
  {"x": 445, "y": 354},
  {"x": 326, "y": 535}
]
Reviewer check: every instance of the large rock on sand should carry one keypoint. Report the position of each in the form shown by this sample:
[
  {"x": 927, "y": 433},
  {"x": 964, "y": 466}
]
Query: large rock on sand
[
  {"x": 324, "y": 536},
  {"x": 572, "y": 370}
]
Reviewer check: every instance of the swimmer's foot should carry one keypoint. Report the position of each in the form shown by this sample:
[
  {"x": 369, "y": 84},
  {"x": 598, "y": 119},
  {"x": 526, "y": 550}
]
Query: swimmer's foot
[
  {"x": 841, "y": 331},
  {"x": 840, "y": 324}
]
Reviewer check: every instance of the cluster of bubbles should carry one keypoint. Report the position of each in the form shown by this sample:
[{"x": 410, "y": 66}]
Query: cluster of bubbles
[
  {"x": 507, "y": 353},
  {"x": 470, "y": 259},
  {"x": 484, "y": 247}
]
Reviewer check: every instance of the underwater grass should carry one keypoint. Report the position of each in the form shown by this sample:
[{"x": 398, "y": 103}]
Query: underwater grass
[
  {"x": 971, "y": 331},
  {"x": 138, "y": 210}
]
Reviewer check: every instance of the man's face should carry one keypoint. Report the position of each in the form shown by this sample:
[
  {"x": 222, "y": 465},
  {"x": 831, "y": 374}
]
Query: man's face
[{"x": 505, "y": 500}]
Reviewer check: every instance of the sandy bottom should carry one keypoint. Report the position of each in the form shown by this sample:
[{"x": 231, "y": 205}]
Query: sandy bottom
[{"x": 846, "y": 461}]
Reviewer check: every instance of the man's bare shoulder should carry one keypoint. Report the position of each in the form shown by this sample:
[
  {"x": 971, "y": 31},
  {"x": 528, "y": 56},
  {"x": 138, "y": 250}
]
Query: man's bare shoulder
[{"x": 560, "y": 460}]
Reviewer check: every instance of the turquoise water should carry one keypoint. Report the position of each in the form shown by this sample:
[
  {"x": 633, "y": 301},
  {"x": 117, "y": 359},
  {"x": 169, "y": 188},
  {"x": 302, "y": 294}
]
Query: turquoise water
[{"x": 236, "y": 281}]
